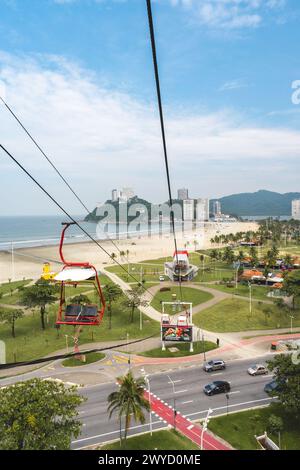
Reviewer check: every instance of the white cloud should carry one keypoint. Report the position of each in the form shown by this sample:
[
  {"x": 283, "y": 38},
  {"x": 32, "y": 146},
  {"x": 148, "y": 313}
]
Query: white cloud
[
  {"x": 229, "y": 14},
  {"x": 98, "y": 136},
  {"x": 233, "y": 85}
]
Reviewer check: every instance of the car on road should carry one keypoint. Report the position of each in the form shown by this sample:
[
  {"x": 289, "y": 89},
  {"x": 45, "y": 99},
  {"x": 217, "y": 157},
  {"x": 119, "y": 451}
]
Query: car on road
[
  {"x": 214, "y": 364},
  {"x": 272, "y": 386},
  {"x": 257, "y": 369},
  {"x": 161, "y": 278},
  {"x": 218, "y": 386}
]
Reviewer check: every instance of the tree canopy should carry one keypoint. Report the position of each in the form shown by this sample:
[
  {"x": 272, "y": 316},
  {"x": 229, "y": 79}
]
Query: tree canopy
[
  {"x": 286, "y": 370},
  {"x": 38, "y": 415}
]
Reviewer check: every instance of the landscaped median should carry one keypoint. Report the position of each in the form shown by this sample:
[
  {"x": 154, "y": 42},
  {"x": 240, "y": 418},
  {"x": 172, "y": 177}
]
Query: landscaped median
[
  {"x": 160, "y": 440},
  {"x": 89, "y": 359},
  {"x": 239, "y": 429},
  {"x": 181, "y": 350}
]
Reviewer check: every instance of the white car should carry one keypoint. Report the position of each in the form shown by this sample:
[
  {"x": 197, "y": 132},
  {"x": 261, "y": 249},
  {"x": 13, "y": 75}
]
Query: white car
[
  {"x": 257, "y": 369},
  {"x": 161, "y": 278}
]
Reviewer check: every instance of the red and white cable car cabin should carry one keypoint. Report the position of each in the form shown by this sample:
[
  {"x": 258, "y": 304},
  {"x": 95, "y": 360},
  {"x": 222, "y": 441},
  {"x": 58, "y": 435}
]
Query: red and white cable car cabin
[{"x": 77, "y": 274}]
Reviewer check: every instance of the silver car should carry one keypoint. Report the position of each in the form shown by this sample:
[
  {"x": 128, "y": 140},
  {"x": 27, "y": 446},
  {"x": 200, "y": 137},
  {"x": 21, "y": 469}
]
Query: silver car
[
  {"x": 257, "y": 369},
  {"x": 215, "y": 364}
]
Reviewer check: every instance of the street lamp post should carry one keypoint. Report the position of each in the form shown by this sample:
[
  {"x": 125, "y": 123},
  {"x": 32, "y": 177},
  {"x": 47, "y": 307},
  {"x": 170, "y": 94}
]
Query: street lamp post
[
  {"x": 204, "y": 426},
  {"x": 174, "y": 400},
  {"x": 203, "y": 347},
  {"x": 291, "y": 318},
  {"x": 227, "y": 398},
  {"x": 250, "y": 298},
  {"x": 147, "y": 379}
]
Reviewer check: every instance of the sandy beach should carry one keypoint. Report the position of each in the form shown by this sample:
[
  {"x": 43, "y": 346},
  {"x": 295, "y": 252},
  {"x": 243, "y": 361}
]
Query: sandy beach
[{"x": 28, "y": 262}]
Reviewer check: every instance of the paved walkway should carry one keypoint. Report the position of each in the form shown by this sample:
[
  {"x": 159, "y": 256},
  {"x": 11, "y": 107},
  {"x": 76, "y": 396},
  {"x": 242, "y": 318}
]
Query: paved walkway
[{"x": 186, "y": 427}]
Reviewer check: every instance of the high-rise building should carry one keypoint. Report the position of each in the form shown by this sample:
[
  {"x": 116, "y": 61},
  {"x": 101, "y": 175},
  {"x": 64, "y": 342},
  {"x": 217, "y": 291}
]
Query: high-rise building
[
  {"x": 296, "y": 209},
  {"x": 188, "y": 209},
  {"x": 127, "y": 193},
  {"x": 202, "y": 209},
  {"x": 115, "y": 194},
  {"x": 217, "y": 209},
  {"x": 182, "y": 194}
]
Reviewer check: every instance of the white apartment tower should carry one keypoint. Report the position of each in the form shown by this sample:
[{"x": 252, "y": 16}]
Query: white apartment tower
[
  {"x": 296, "y": 209},
  {"x": 188, "y": 209},
  {"x": 202, "y": 210},
  {"x": 182, "y": 194}
]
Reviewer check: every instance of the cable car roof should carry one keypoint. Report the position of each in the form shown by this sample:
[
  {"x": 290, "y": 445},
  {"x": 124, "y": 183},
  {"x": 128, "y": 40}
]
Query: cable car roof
[{"x": 75, "y": 274}]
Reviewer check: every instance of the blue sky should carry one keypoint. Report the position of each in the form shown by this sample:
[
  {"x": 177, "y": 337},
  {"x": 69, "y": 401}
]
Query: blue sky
[{"x": 80, "y": 75}]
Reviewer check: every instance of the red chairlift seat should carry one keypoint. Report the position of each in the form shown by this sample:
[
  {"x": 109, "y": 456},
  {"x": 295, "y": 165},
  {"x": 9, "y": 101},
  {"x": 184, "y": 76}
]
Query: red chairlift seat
[{"x": 74, "y": 274}]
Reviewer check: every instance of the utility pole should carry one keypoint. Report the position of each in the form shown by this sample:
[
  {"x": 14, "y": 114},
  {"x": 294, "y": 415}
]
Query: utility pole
[
  {"x": 174, "y": 400},
  {"x": 204, "y": 426},
  {"x": 147, "y": 379},
  {"x": 250, "y": 298}
]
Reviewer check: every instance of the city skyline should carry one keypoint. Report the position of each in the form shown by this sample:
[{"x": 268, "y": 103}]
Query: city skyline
[{"x": 233, "y": 131}]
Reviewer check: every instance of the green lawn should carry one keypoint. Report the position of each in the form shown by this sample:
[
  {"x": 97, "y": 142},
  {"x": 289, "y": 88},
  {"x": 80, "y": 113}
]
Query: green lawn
[
  {"x": 239, "y": 428},
  {"x": 160, "y": 440},
  {"x": 233, "y": 315},
  {"x": 138, "y": 272},
  {"x": 184, "y": 349},
  {"x": 212, "y": 275},
  {"x": 71, "y": 291},
  {"x": 189, "y": 294},
  {"x": 89, "y": 359},
  {"x": 7, "y": 287},
  {"x": 258, "y": 292},
  {"x": 31, "y": 342}
]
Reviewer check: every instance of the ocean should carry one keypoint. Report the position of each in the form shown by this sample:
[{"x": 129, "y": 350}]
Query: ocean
[{"x": 32, "y": 231}]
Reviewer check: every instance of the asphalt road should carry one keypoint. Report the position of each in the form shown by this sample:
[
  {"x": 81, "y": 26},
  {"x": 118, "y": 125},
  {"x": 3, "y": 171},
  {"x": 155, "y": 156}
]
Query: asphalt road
[{"x": 246, "y": 392}]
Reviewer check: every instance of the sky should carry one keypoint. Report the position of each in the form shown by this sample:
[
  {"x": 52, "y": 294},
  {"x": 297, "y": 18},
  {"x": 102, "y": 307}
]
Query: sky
[{"x": 79, "y": 75}]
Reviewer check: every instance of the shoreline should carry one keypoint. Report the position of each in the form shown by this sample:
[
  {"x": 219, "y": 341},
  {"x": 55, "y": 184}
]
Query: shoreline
[{"x": 28, "y": 262}]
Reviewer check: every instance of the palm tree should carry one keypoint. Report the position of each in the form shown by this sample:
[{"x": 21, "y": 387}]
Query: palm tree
[
  {"x": 111, "y": 293},
  {"x": 128, "y": 401}
]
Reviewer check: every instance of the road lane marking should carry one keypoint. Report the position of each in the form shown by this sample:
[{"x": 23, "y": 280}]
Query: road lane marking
[
  {"x": 175, "y": 381},
  {"x": 232, "y": 406},
  {"x": 231, "y": 393},
  {"x": 217, "y": 373},
  {"x": 185, "y": 402},
  {"x": 180, "y": 391}
]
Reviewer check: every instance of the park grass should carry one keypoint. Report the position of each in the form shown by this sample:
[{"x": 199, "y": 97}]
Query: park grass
[
  {"x": 258, "y": 292},
  {"x": 137, "y": 272},
  {"x": 233, "y": 315},
  {"x": 8, "y": 287},
  {"x": 160, "y": 440},
  {"x": 89, "y": 359},
  {"x": 71, "y": 291},
  {"x": 189, "y": 294},
  {"x": 183, "y": 349},
  {"x": 240, "y": 428},
  {"x": 213, "y": 275},
  {"x": 31, "y": 342}
]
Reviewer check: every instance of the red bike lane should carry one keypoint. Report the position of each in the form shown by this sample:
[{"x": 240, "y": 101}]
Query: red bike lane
[{"x": 185, "y": 426}]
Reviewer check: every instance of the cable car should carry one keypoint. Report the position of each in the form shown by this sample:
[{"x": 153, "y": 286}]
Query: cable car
[{"x": 74, "y": 274}]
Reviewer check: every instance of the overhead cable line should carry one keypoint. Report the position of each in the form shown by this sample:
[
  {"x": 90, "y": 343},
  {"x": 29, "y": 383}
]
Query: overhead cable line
[
  {"x": 162, "y": 126},
  {"x": 75, "y": 222},
  {"x": 41, "y": 360},
  {"x": 52, "y": 164}
]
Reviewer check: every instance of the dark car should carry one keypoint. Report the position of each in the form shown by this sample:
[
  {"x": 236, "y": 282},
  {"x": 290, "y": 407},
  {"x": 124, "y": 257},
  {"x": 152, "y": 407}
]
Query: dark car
[
  {"x": 219, "y": 386},
  {"x": 272, "y": 387}
]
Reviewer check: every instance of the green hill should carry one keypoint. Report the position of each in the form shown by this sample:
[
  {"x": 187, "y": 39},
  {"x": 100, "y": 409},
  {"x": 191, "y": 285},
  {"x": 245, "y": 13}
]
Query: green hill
[{"x": 261, "y": 202}]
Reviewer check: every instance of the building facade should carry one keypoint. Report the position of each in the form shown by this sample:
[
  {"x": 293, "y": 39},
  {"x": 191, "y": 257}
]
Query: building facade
[
  {"x": 188, "y": 210},
  {"x": 296, "y": 209},
  {"x": 217, "y": 211},
  {"x": 182, "y": 194},
  {"x": 202, "y": 210}
]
